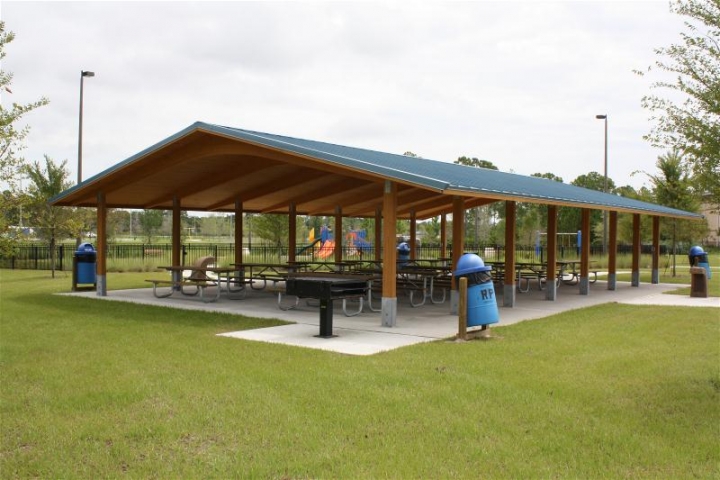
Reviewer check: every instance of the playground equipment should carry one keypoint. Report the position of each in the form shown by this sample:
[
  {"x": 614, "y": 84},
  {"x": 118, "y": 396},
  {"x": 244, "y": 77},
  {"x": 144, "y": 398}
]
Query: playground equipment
[
  {"x": 355, "y": 239},
  {"x": 324, "y": 246}
]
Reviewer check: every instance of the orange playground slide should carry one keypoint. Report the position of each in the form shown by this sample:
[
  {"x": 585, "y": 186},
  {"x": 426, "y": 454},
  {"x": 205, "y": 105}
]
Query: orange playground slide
[{"x": 326, "y": 249}]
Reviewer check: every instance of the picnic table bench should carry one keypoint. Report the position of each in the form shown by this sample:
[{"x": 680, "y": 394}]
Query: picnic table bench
[{"x": 199, "y": 280}]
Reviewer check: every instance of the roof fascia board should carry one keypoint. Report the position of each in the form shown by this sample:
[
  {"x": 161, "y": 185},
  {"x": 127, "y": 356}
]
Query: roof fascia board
[
  {"x": 636, "y": 206},
  {"x": 127, "y": 162}
]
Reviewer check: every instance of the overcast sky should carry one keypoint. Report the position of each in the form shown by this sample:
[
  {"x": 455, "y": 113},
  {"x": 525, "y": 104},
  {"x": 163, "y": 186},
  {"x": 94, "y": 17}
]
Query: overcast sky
[{"x": 516, "y": 83}]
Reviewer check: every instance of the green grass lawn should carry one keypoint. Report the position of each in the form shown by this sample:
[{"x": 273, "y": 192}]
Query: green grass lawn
[
  {"x": 682, "y": 277},
  {"x": 98, "y": 389}
]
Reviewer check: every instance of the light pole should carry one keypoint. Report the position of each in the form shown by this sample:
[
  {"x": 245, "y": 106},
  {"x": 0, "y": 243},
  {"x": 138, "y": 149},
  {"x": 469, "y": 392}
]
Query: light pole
[
  {"x": 605, "y": 184},
  {"x": 83, "y": 74}
]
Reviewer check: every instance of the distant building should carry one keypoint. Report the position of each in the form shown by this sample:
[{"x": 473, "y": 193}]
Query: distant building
[{"x": 712, "y": 215}]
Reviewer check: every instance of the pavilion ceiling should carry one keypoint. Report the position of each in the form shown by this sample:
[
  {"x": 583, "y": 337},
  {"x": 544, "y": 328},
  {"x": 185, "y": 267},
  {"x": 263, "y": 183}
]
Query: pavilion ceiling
[{"x": 208, "y": 172}]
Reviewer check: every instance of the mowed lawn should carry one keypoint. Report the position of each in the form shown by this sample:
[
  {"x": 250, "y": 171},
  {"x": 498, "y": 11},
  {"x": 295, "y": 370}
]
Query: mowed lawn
[{"x": 98, "y": 389}]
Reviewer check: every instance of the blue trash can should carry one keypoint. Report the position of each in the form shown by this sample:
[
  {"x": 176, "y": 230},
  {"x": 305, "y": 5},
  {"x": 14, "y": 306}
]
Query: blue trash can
[
  {"x": 85, "y": 262},
  {"x": 699, "y": 258},
  {"x": 481, "y": 302},
  {"x": 403, "y": 254}
]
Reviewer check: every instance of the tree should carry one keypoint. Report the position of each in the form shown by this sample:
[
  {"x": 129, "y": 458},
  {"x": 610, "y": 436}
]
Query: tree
[
  {"x": 625, "y": 220},
  {"x": 570, "y": 217},
  {"x": 693, "y": 125},
  {"x": 482, "y": 218},
  {"x": 50, "y": 222},
  {"x": 11, "y": 143},
  {"x": 272, "y": 227},
  {"x": 430, "y": 230},
  {"x": 151, "y": 222},
  {"x": 674, "y": 188},
  {"x": 532, "y": 217}
]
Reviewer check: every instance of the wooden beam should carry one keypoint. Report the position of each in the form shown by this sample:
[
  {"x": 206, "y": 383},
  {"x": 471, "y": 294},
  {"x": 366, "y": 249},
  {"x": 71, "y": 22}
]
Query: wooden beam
[
  {"x": 292, "y": 232},
  {"x": 238, "y": 232},
  {"x": 552, "y": 226},
  {"x": 635, "y": 274},
  {"x": 458, "y": 245},
  {"x": 427, "y": 204},
  {"x": 389, "y": 274},
  {"x": 316, "y": 188},
  {"x": 389, "y": 241},
  {"x": 443, "y": 236},
  {"x": 509, "y": 283},
  {"x": 584, "y": 279},
  {"x": 413, "y": 236},
  {"x": 338, "y": 234},
  {"x": 612, "y": 250},
  {"x": 378, "y": 234},
  {"x": 101, "y": 266},
  {"x": 445, "y": 208},
  {"x": 655, "y": 250},
  {"x": 282, "y": 178},
  {"x": 371, "y": 192},
  {"x": 209, "y": 181},
  {"x": 176, "y": 227}
]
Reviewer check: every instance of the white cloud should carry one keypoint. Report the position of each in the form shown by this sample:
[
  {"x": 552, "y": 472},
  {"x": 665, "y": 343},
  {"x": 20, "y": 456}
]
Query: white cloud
[{"x": 516, "y": 83}]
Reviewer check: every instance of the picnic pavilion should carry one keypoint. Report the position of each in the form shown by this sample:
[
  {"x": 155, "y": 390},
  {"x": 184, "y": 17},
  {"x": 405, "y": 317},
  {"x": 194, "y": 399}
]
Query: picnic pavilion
[{"x": 212, "y": 168}]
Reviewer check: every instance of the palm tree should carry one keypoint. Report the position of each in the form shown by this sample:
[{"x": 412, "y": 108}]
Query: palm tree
[
  {"x": 674, "y": 188},
  {"x": 50, "y": 222}
]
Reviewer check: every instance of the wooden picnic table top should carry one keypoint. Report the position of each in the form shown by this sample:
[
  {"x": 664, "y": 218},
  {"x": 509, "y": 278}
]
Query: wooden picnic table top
[{"x": 182, "y": 268}]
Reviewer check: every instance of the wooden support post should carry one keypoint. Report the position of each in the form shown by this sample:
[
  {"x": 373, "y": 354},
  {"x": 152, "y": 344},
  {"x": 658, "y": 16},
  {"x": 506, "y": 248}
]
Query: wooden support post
[
  {"x": 584, "y": 278},
  {"x": 462, "y": 309},
  {"x": 612, "y": 251},
  {"x": 655, "y": 250},
  {"x": 176, "y": 227},
  {"x": 635, "y": 275},
  {"x": 238, "y": 232},
  {"x": 551, "y": 283},
  {"x": 413, "y": 235},
  {"x": 458, "y": 247},
  {"x": 389, "y": 275},
  {"x": 338, "y": 235},
  {"x": 101, "y": 266},
  {"x": 509, "y": 284},
  {"x": 176, "y": 240},
  {"x": 443, "y": 236},
  {"x": 292, "y": 232},
  {"x": 378, "y": 234}
]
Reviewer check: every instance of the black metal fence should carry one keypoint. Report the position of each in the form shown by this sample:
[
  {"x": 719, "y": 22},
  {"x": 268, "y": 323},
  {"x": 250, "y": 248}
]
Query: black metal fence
[{"x": 143, "y": 256}]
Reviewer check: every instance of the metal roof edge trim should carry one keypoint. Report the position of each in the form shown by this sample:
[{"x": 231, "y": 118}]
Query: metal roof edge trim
[
  {"x": 420, "y": 180},
  {"x": 157, "y": 146},
  {"x": 631, "y": 205}
]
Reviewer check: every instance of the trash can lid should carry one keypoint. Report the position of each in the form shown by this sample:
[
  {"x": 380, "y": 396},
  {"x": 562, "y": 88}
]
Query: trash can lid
[
  {"x": 695, "y": 251},
  {"x": 403, "y": 247},
  {"x": 85, "y": 247},
  {"x": 470, "y": 263}
]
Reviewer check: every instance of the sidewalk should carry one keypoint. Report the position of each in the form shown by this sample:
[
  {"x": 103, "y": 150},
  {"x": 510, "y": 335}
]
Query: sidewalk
[{"x": 364, "y": 334}]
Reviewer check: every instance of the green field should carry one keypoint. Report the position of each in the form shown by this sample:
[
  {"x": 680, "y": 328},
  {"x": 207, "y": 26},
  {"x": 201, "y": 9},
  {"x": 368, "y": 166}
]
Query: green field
[{"x": 98, "y": 389}]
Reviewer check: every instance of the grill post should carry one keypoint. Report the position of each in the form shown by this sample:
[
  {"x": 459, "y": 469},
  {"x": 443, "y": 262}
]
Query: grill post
[{"x": 326, "y": 318}]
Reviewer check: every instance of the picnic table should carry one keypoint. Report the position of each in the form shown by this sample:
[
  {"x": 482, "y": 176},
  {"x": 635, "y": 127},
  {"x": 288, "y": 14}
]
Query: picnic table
[
  {"x": 268, "y": 272},
  {"x": 567, "y": 273},
  {"x": 413, "y": 279},
  {"x": 199, "y": 280}
]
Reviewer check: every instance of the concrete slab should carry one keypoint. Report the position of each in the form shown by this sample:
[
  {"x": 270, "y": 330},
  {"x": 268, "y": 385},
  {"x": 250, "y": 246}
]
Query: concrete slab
[{"x": 365, "y": 335}]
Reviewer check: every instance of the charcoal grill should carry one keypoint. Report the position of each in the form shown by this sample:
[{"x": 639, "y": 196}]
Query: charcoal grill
[{"x": 326, "y": 289}]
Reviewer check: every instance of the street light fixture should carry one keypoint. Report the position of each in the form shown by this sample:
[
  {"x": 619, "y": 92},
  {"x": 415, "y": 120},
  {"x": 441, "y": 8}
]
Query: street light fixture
[
  {"x": 83, "y": 74},
  {"x": 605, "y": 184}
]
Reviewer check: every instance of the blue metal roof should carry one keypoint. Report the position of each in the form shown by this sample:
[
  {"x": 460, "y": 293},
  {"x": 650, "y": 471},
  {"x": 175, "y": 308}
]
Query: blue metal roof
[
  {"x": 450, "y": 177},
  {"x": 438, "y": 176}
]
